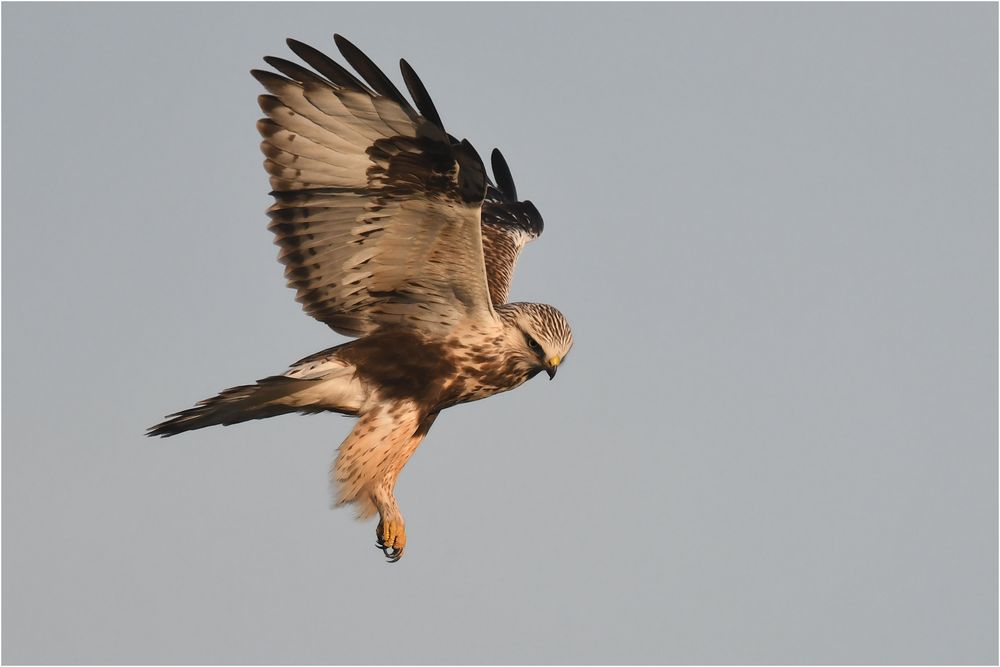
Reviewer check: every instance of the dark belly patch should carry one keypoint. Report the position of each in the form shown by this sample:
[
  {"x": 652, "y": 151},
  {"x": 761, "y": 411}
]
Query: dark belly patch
[{"x": 404, "y": 365}]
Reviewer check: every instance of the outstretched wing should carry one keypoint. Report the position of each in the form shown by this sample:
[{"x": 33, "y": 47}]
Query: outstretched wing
[
  {"x": 377, "y": 211},
  {"x": 508, "y": 224}
]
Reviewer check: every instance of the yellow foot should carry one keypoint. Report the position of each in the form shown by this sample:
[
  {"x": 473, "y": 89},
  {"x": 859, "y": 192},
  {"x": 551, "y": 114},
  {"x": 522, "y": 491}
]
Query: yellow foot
[{"x": 391, "y": 536}]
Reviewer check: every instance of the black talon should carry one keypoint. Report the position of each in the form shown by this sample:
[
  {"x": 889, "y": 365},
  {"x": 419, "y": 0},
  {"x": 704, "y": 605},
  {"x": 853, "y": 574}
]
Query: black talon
[{"x": 392, "y": 554}]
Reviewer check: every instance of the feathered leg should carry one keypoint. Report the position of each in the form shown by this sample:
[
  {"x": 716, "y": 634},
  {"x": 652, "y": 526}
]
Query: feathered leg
[
  {"x": 368, "y": 464},
  {"x": 390, "y": 534}
]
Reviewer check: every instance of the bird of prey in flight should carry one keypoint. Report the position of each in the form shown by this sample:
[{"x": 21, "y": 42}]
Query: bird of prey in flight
[{"x": 391, "y": 233}]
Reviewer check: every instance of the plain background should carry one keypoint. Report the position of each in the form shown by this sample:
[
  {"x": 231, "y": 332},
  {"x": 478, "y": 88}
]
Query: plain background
[{"x": 773, "y": 227}]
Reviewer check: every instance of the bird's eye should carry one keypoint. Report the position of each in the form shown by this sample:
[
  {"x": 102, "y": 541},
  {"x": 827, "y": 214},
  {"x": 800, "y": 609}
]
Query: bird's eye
[{"x": 533, "y": 344}]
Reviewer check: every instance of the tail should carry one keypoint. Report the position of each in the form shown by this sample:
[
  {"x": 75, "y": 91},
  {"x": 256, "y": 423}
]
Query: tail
[{"x": 275, "y": 395}]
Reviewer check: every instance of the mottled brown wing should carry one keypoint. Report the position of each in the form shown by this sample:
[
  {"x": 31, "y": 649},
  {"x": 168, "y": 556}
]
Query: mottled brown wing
[
  {"x": 377, "y": 211},
  {"x": 508, "y": 224}
]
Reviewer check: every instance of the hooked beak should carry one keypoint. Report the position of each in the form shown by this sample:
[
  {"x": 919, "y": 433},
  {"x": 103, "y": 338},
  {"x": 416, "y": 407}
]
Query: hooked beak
[{"x": 552, "y": 366}]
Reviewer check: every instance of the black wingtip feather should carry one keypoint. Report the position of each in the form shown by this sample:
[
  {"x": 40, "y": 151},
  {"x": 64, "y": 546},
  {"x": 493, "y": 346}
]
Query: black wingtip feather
[
  {"x": 471, "y": 173},
  {"x": 419, "y": 94},
  {"x": 294, "y": 70},
  {"x": 264, "y": 76},
  {"x": 325, "y": 65},
  {"x": 502, "y": 173},
  {"x": 369, "y": 71}
]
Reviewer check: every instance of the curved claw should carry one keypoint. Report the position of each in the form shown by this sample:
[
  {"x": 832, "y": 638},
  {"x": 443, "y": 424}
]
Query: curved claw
[
  {"x": 391, "y": 553},
  {"x": 390, "y": 537}
]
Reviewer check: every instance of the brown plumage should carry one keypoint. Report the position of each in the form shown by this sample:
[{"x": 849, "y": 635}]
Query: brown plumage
[{"x": 390, "y": 231}]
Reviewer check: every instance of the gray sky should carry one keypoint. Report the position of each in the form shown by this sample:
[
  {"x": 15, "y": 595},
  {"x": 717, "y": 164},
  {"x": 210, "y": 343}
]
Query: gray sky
[{"x": 773, "y": 228}]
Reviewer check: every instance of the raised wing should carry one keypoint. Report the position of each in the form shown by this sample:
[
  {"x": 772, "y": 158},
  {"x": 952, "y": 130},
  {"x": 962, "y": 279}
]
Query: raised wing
[
  {"x": 377, "y": 211},
  {"x": 508, "y": 224}
]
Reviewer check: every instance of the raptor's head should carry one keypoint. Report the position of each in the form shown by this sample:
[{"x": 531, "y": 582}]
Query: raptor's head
[{"x": 539, "y": 336}]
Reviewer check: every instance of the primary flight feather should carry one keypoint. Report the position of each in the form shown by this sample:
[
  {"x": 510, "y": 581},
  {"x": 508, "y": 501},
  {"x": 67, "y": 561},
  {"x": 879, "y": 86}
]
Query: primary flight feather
[{"x": 391, "y": 232}]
